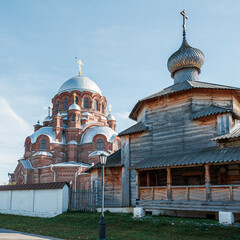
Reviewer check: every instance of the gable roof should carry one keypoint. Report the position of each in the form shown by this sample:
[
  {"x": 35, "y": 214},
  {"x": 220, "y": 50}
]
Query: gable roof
[
  {"x": 182, "y": 86},
  {"x": 212, "y": 110},
  {"x": 207, "y": 155},
  {"x": 37, "y": 186},
  {"x": 138, "y": 127}
]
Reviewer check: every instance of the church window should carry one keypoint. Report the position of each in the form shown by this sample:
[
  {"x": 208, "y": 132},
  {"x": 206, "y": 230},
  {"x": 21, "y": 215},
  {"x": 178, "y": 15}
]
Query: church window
[
  {"x": 95, "y": 105},
  {"x": 100, "y": 144},
  {"x": 78, "y": 118},
  {"x": 76, "y": 99},
  {"x": 43, "y": 145},
  {"x": 116, "y": 145},
  {"x": 28, "y": 146},
  {"x": 73, "y": 117},
  {"x": 86, "y": 102},
  {"x": 58, "y": 107},
  {"x": 102, "y": 107},
  {"x": 65, "y": 103}
]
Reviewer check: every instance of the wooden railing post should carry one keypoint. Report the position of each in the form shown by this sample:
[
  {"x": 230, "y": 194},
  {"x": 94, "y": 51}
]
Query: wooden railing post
[
  {"x": 169, "y": 184},
  {"x": 187, "y": 193},
  {"x": 231, "y": 193},
  {"x": 207, "y": 183}
]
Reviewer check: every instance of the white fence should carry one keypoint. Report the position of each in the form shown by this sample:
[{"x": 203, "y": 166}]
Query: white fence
[{"x": 34, "y": 202}]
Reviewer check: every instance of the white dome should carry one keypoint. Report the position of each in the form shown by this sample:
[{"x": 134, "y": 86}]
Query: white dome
[
  {"x": 47, "y": 119},
  {"x": 74, "y": 106},
  {"x": 81, "y": 84},
  {"x": 91, "y": 132},
  {"x": 111, "y": 117}
]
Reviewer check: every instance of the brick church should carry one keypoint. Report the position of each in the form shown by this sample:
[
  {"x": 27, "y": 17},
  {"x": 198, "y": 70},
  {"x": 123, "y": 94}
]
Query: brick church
[{"x": 70, "y": 139}]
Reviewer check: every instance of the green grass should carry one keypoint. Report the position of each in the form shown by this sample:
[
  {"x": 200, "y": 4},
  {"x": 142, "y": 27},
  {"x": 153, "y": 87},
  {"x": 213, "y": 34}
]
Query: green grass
[{"x": 77, "y": 225}]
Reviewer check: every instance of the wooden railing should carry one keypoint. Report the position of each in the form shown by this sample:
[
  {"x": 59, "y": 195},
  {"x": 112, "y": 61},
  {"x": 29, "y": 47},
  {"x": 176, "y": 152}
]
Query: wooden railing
[{"x": 218, "y": 193}]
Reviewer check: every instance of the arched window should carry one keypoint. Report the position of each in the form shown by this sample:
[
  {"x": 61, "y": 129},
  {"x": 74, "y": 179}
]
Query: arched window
[
  {"x": 99, "y": 144},
  {"x": 116, "y": 145},
  {"x": 73, "y": 117},
  {"x": 78, "y": 118},
  {"x": 28, "y": 146},
  {"x": 86, "y": 102},
  {"x": 65, "y": 103},
  {"x": 43, "y": 145},
  {"x": 58, "y": 107},
  {"x": 76, "y": 100},
  {"x": 102, "y": 107},
  {"x": 95, "y": 105}
]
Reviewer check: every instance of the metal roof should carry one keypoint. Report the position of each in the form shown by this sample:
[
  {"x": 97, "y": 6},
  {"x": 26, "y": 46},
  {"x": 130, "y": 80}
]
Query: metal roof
[
  {"x": 138, "y": 127},
  {"x": 234, "y": 134},
  {"x": 91, "y": 132},
  {"x": 211, "y": 110},
  {"x": 37, "y": 186},
  {"x": 26, "y": 164},
  {"x": 79, "y": 83},
  {"x": 182, "y": 86},
  {"x": 207, "y": 155},
  {"x": 70, "y": 164},
  {"x": 114, "y": 160}
]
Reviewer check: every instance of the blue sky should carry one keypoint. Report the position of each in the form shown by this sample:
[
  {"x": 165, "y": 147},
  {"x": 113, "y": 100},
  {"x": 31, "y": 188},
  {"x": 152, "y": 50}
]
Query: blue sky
[{"x": 124, "y": 46}]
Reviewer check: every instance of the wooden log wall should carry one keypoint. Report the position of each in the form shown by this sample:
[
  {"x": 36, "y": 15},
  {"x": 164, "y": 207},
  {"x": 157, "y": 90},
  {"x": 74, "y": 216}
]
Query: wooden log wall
[{"x": 171, "y": 128}]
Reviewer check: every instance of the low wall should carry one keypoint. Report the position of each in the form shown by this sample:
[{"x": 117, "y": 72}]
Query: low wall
[{"x": 34, "y": 202}]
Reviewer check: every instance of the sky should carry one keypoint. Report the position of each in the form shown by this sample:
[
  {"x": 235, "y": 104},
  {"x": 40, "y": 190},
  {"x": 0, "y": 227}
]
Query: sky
[{"x": 124, "y": 46}]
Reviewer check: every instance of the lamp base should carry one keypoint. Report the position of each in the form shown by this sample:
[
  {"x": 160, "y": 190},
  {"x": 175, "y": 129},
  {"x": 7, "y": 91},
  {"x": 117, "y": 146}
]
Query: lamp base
[{"x": 102, "y": 229}]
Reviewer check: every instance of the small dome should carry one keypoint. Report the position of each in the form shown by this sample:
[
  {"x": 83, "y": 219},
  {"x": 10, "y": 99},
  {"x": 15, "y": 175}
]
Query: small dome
[
  {"x": 87, "y": 114},
  {"x": 74, "y": 106},
  {"x": 111, "y": 117},
  {"x": 79, "y": 83},
  {"x": 91, "y": 132},
  {"x": 185, "y": 57},
  {"x": 47, "y": 119},
  {"x": 72, "y": 142}
]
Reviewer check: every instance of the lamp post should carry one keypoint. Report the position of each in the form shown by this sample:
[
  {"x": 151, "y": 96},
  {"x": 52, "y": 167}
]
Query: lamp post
[{"x": 102, "y": 224}]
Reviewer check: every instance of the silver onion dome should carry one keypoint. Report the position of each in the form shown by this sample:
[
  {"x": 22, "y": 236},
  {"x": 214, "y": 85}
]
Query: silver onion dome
[
  {"x": 186, "y": 62},
  {"x": 185, "y": 57}
]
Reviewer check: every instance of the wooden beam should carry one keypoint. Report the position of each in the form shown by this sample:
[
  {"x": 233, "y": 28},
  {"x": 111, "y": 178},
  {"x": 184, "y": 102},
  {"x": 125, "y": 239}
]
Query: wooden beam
[
  {"x": 137, "y": 184},
  {"x": 207, "y": 182},
  {"x": 169, "y": 184}
]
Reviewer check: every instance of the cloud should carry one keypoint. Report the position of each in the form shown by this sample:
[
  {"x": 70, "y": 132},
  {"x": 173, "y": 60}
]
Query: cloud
[
  {"x": 123, "y": 120},
  {"x": 13, "y": 131}
]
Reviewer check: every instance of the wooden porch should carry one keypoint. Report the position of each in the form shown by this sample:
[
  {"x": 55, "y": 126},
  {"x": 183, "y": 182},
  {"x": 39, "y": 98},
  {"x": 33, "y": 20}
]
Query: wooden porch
[{"x": 204, "y": 197}]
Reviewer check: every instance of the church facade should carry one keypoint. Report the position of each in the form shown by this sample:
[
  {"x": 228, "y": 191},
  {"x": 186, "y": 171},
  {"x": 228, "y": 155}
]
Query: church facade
[
  {"x": 183, "y": 154},
  {"x": 70, "y": 139}
]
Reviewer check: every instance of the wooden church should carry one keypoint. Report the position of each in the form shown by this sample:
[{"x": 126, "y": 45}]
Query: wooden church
[{"x": 183, "y": 154}]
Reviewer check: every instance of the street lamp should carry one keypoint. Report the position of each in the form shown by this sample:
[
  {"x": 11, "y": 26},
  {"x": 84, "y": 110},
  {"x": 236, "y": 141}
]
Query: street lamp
[{"x": 102, "y": 224}]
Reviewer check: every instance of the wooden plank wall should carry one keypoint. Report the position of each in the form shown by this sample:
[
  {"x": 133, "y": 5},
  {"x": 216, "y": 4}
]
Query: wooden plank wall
[
  {"x": 113, "y": 187},
  {"x": 171, "y": 128}
]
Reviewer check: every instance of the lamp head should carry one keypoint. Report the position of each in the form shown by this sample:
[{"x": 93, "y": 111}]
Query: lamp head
[{"x": 103, "y": 158}]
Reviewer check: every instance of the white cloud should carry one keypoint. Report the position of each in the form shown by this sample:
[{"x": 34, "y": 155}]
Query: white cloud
[
  {"x": 13, "y": 131},
  {"x": 123, "y": 120}
]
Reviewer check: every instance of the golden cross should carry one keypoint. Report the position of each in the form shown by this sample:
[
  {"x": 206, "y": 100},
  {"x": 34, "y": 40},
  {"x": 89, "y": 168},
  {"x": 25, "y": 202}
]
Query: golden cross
[
  {"x": 74, "y": 97},
  {"x": 184, "y": 14},
  {"x": 80, "y": 66}
]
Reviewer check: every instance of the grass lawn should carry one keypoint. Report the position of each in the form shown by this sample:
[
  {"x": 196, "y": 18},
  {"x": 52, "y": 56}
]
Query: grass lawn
[{"x": 77, "y": 225}]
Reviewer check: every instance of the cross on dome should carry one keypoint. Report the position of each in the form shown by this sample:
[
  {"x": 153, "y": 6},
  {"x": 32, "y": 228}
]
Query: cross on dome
[
  {"x": 183, "y": 13},
  {"x": 110, "y": 108},
  {"x": 80, "y": 63},
  {"x": 74, "y": 97}
]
